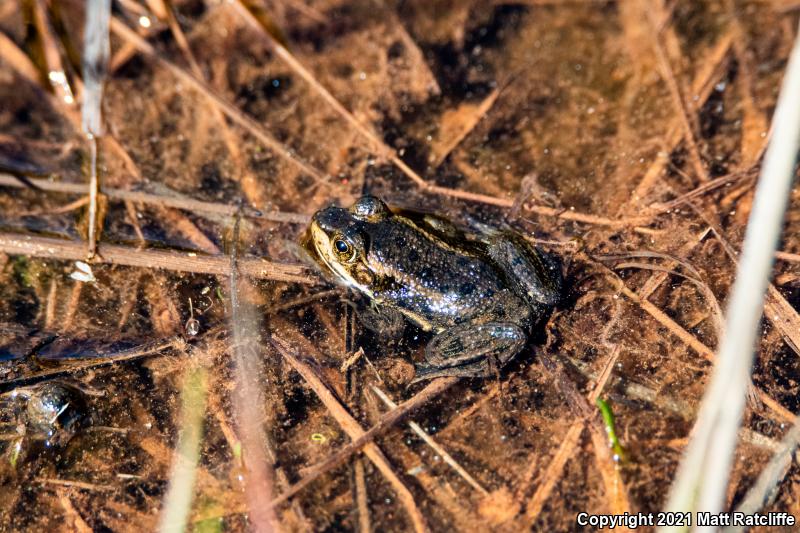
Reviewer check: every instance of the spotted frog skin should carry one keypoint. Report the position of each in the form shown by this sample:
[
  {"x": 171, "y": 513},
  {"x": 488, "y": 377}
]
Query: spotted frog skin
[{"x": 482, "y": 294}]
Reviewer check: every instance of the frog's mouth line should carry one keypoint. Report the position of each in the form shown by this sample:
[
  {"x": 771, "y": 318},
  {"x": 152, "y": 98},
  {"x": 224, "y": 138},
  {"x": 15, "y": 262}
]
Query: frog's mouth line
[{"x": 322, "y": 245}]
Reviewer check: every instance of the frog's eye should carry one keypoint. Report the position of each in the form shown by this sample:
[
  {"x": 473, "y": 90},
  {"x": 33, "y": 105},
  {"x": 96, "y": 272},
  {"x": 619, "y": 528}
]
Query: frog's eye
[
  {"x": 341, "y": 246},
  {"x": 343, "y": 249}
]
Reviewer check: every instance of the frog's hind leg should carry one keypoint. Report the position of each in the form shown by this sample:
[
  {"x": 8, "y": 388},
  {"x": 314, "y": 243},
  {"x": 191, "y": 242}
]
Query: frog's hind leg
[
  {"x": 471, "y": 350},
  {"x": 537, "y": 274}
]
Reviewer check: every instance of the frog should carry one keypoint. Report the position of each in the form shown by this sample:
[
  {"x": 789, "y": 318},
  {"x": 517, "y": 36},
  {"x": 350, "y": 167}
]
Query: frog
[{"x": 481, "y": 292}]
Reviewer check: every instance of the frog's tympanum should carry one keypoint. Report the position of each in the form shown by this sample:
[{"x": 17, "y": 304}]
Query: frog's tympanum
[{"x": 482, "y": 293}]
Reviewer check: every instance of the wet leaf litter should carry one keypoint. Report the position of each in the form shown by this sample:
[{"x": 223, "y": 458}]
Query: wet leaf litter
[{"x": 623, "y": 137}]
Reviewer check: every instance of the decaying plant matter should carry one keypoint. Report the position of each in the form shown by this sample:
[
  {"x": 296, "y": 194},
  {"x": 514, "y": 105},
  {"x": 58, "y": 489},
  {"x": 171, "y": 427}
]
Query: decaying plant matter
[{"x": 226, "y": 386}]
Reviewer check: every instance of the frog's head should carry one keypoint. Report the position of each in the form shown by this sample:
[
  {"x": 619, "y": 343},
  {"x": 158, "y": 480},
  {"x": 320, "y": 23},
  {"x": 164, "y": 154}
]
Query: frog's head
[{"x": 339, "y": 240}]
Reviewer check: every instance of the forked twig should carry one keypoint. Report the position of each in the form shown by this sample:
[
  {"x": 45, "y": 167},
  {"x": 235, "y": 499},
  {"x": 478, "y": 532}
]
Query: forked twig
[
  {"x": 416, "y": 428},
  {"x": 354, "y": 430}
]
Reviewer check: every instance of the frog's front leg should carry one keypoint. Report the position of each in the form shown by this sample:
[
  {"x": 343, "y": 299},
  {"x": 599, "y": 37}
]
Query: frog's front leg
[
  {"x": 384, "y": 321},
  {"x": 471, "y": 350}
]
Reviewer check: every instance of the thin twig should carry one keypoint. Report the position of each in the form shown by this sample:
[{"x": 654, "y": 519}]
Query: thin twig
[
  {"x": 416, "y": 428},
  {"x": 77, "y": 524},
  {"x": 75, "y": 484},
  {"x": 71, "y": 306},
  {"x": 467, "y": 127},
  {"x": 252, "y": 193},
  {"x": 177, "y": 202},
  {"x": 702, "y": 86},
  {"x": 776, "y": 309},
  {"x": 51, "y": 248},
  {"x": 288, "y": 58},
  {"x": 689, "y": 126},
  {"x": 354, "y": 430},
  {"x": 687, "y": 338},
  {"x": 565, "y": 450},
  {"x": 385, "y": 423},
  {"x": 789, "y": 257},
  {"x": 56, "y": 74},
  {"x": 693, "y": 277},
  {"x": 361, "y": 498},
  {"x": 702, "y": 189},
  {"x": 11, "y": 54}
]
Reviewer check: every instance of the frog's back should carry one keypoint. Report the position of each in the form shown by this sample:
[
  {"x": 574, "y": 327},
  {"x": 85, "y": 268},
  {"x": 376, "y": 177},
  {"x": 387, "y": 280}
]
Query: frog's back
[{"x": 437, "y": 283}]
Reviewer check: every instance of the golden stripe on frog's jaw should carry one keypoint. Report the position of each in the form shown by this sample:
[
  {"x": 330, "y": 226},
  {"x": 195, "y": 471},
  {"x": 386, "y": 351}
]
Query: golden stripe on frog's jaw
[{"x": 322, "y": 244}]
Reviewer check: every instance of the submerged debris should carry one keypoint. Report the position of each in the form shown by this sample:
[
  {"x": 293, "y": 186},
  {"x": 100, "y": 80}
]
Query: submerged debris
[{"x": 45, "y": 415}]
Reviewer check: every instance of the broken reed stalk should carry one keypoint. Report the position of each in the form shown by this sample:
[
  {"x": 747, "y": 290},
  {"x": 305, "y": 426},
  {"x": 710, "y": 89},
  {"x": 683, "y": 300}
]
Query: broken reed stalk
[
  {"x": 96, "y": 50},
  {"x": 50, "y": 248},
  {"x": 91, "y": 237},
  {"x": 702, "y": 479}
]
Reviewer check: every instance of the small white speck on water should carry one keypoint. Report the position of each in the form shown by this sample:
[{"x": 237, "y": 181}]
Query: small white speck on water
[
  {"x": 57, "y": 77},
  {"x": 82, "y": 272}
]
